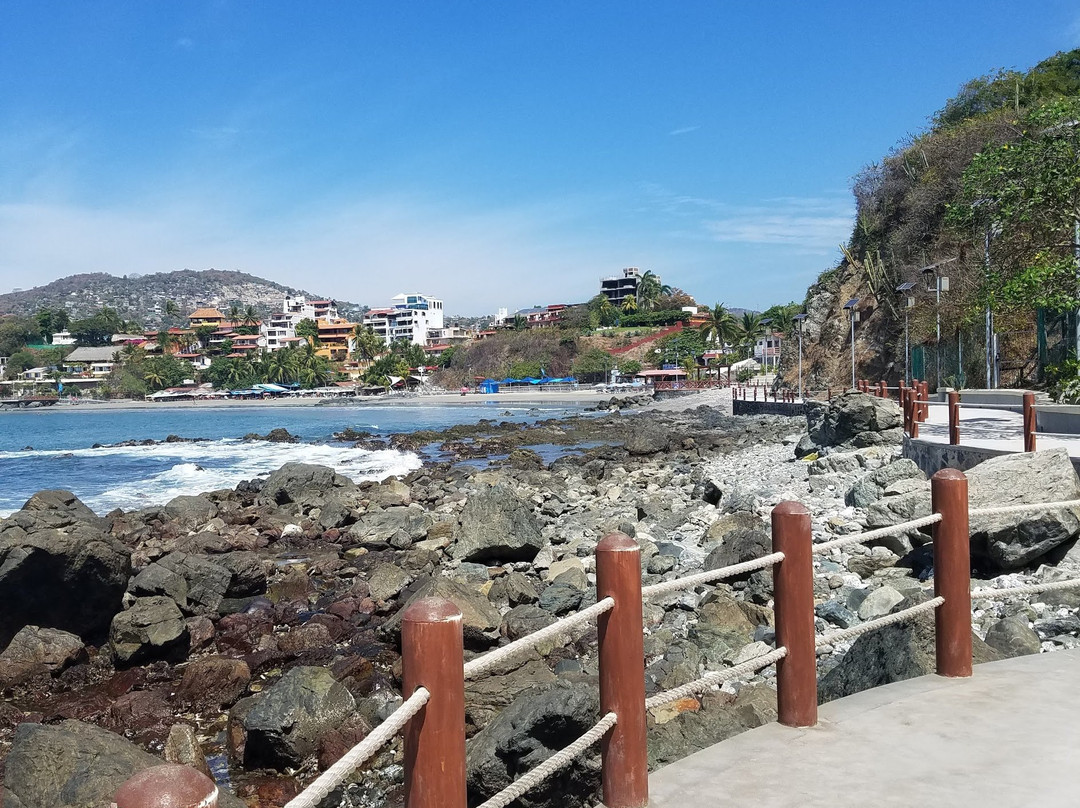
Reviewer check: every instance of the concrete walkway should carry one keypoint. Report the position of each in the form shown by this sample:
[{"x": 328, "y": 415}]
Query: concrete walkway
[{"x": 1008, "y": 737}]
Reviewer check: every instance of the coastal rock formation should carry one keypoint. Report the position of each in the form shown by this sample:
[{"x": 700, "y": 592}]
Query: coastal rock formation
[
  {"x": 854, "y": 420},
  {"x": 36, "y": 651},
  {"x": 59, "y": 572},
  {"x": 496, "y": 524},
  {"x": 153, "y": 628}
]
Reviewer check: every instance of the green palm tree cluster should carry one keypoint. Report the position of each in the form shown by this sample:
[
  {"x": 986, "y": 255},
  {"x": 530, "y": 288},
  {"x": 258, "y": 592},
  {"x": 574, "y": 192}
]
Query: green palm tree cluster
[
  {"x": 299, "y": 364},
  {"x": 749, "y": 330},
  {"x": 367, "y": 345},
  {"x": 650, "y": 290},
  {"x": 721, "y": 327}
]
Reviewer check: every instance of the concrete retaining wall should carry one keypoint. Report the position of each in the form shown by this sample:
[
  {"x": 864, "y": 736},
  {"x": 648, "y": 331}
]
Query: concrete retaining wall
[
  {"x": 932, "y": 457},
  {"x": 792, "y": 409}
]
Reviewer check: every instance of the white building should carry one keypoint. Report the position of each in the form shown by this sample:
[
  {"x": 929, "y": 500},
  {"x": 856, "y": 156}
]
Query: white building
[
  {"x": 279, "y": 329},
  {"x": 416, "y": 318},
  {"x": 767, "y": 349},
  {"x": 63, "y": 338}
]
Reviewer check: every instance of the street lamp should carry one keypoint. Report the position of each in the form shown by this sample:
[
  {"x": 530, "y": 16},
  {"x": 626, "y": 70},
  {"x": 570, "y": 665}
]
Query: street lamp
[
  {"x": 909, "y": 303},
  {"x": 798, "y": 318},
  {"x": 850, "y": 306},
  {"x": 937, "y": 284}
]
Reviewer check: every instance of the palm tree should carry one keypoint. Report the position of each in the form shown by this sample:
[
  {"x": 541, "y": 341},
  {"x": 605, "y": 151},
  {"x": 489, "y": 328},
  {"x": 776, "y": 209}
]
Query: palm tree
[
  {"x": 649, "y": 290},
  {"x": 171, "y": 309},
  {"x": 251, "y": 316},
  {"x": 750, "y": 329},
  {"x": 721, "y": 326},
  {"x": 629, "y": 305},
  {"x": 165, "y": 341},
  {"x": 366, "y": 343},
  {"x": 234, "y": 313}
]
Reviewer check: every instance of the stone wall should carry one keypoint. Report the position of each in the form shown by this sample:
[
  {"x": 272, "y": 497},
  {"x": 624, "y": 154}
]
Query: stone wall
[
  {"x": 793, "y": 409},
  {"x": 932, "y": 457}
]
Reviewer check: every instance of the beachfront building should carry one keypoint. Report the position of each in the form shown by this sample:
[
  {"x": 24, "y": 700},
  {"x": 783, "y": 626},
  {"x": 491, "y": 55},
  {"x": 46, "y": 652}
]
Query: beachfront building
[
  {"x": 416, "y": 318},
  {"x": 767, "y": 349},
  {"x": 206, "y": 316},
  {"x": 279, "y": 329},
  {"x": 88, "y": 361},
  {"x": 335, "y": 338},
  {"x": 539, "y": 316},
  {"x": 617, "y": 288}
]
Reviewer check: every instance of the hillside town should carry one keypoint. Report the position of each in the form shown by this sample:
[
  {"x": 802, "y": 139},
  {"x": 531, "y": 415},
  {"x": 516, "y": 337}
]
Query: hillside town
[{"x": 635, "y": 330}]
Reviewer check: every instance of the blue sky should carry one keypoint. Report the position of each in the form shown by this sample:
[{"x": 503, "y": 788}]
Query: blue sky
[{"x": 488, "y": 153}]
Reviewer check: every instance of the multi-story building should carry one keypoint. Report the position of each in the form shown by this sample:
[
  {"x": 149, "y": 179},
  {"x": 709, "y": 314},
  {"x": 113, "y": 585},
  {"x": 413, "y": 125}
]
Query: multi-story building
[
  {"x": 279, "y": 329},
  {"x": 767, "y": 349},
  {"x": 416, "y": 318},
  {"x": 539, "y": 316},
  {"x": 336, "y": 338},
  {"x": 206, "y": 316},
  {"x": 619, "y": 287}
]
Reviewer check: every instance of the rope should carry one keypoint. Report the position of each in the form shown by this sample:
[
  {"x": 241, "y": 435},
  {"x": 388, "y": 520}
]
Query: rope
[
  {"x": 714, "y": 677},
  {"x": 1032, "y": 506},
  {"x": 332, "y": 777},
  {"x": 1027, "y": 589},
  {"x": 557, "y": 761},
  {"x": 494, "y": 659},
  {"x": 690, "y": 581},
  {"x": 870, "y": 535},
  {"x": 897, "y": 617}
]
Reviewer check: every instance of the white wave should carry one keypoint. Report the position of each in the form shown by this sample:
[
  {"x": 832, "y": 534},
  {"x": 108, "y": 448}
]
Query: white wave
[{"x": 213, "y": 465}]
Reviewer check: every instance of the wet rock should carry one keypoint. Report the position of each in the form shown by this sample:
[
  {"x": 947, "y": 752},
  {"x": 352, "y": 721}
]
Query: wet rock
[
  {"x": 153, "y": 628},
  {"x": 57, "y": 572},
  {"x": 214, "y": 681},
  {"x": 287, "y": 721},
  {"x": 496, "y": 524}
]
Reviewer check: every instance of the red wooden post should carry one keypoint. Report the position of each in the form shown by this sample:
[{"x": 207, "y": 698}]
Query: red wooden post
[
  {"x": 1029, "y": 422},
  {"x": 884, "y": 389},
  {"x": 913, "y": 396},
  {"x": 433, "y": 657},
  {"x": 793, "y": 596},
  {"x": 624, "y": 750},
  {"x": 954, "y": 417},
  {"x": 952, "y": 572},
  {"x": 169, "y": 785}
]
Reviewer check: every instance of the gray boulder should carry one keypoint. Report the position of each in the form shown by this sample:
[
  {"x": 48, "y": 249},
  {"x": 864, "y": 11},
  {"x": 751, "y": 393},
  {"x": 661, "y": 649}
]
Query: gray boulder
[
  {"x": 306, "y": 485},
  {"x": 248, "y": 575},
  {"x": 58, "y": 572},
  {"x": 528, "y": 732},
  {"x": 647, "y": 439},
  {"x": 73, "y": 765},
  {"x": 153, "y": 628},
  {"x": 398, "y": 526},
  {"x": 36, "y": 651},
  {"x": 890, "y": 654},
  {"x": 196, "y": 583},
  {"x": 1013, "y": 637},
  {"x": 1012, "y": 541},
  {"x": 742, "y": 536},
  {"x": 901, "y": 507},
  {"x": 496, "y": 524},
  {"x": 191, "y": 511},
  {"x": 871, "y": 488},
  {"x": 480, "y": 619},
  {"x": 855, "y": 420},
  {"x": 286, "y": 723},
  {"x": 61, "y": 501}
]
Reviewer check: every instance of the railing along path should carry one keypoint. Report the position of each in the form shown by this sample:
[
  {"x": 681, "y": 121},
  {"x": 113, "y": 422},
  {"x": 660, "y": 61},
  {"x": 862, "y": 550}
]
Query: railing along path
[{"x": 435, "y": 673}]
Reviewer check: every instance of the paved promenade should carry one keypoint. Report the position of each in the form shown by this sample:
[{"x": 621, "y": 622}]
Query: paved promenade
[
  {"x": 1001, "y": 430},
  {"x": 1008, "y": 737}
]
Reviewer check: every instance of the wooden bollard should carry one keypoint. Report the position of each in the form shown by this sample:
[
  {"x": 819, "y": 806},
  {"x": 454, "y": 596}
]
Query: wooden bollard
[
  {"x": 1029, "y": 422},
  {"x": 954, "y": 418},
  {"x": 884, "y": 389},
  {"x": 433, "y": 657},
  {"x": 169, "y": 785},
  {"x": 952, "y": 572},
  {"x": 624, "y": 750},
  {"x": 924, "y": 408},
  {"x": 913, "y": 407},
  {"x": 793, "y": 596}
]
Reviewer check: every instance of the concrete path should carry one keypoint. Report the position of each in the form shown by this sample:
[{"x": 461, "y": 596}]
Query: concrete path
[
  {"x": 1008, "y": 737},
  {"x": 1001, "y": 430}
]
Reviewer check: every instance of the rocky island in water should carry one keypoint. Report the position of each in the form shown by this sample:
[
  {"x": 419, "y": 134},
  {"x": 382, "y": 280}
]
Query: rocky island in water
[{"x": 253, "y": 633}]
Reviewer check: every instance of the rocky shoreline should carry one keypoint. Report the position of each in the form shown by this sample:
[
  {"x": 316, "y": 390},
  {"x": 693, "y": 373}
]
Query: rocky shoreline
[{"x": 253, "y": 632}]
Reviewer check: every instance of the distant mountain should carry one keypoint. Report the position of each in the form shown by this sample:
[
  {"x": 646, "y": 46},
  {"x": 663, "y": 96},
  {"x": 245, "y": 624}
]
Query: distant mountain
[{"x": 143, "y": 297}]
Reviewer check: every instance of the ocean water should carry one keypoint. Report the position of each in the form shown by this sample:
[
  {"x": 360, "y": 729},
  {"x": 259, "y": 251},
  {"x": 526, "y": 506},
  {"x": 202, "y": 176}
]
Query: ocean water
[{"x": 53, "y": 448}]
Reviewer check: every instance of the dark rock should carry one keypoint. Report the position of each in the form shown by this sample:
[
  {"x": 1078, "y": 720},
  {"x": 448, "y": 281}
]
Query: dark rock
[
  {"x": 560, "y": 598},
  {"x": 1013, "y": 637},
  {"x": 647, "y": 438},
  {"x": 305, "y": 484},
  {"x": 214, "y": 681},
  {"x": 528, "y": 732},
  {"x": 63, "y": 501},
  {"x": 68, "y": 575},
  {"x": 248, "y": 573},
  {"x": 496, "y": 524},
  {"x": 194, "y": 582},
  {"x": 153, "y": 628},
  {"x": 398, "y": 526},
  {"x": 871, "y": 488},
  {"x": 523, "y": 620},
  {"x": 833, "y": 611},
  {"x": 742, "y": 537},
  {"x": 854, "y": 419},
  {"x": 287, "y": 721}
]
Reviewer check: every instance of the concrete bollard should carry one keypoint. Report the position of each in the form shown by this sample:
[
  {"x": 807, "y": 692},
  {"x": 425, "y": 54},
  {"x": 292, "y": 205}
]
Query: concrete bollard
[
  {"x": 169, "y": 785},
  {"x": 952, "y": 572},
  {"x": 954, "y": 418},
  {"x": 433, "y": 657},
  {"x": 624, "y": 750},
  {"x": 1029, "y": 422},
  {"x": 793, "y": 596}
]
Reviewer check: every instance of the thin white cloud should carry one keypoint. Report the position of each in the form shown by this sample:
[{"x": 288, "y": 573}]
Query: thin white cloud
[
  {"x": 684, "y": 130},
  {"x": 185, "y": 43}
]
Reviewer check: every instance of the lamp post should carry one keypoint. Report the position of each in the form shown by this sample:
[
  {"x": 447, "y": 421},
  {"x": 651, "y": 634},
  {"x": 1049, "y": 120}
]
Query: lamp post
[
  {"x": 937, "y": 284},
  {"x": 798, "y": 318},
  {"x": 909, "y": 303},
  {"x": 850, "y": 306}
]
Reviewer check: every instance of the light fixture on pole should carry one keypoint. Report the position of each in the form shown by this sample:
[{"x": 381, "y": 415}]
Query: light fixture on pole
[
  {"x": 850, "y": 307},
  {"x": 936, "y": 283},
  {"x": 798, "y": 318},
  {"x": 908, "y": 303}
]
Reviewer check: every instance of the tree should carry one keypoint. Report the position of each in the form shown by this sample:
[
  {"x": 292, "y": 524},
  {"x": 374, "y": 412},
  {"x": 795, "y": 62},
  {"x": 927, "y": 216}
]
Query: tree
[
  {"x": 750, "y": 328},
  {"x": 309, "y": 330},
  {"x": 171, "y": 309},
  {"x": 203, "y": 334},
  {"x": 649, "y": 290},
  {"x": 20, "y": 361},
  {"x": 721, "y": 327},
  {"x": 674, "y": 299},
  {"x": 251, "y": 317},
  {"x": 366, "y": 343},
  {"x": 606, "y": 314},
  {"x": 593, "y": 366},
  {"x": 165, "y": 341},
  {"x": 1028, "y": 191},
  {"x": 782, "y": 316},
  {"x": 234, "y": 313},
  {"x": 383, "y": 368},
  {"x": 16, "y": 333},
  {"x": 97, "y": 329},
  {"x": 629, "y": 305}
]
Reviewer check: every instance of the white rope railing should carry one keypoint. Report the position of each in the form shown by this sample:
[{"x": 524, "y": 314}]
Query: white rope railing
[
  {"x": 494, "y": 659},
  {"x": 332, "y": 777},
  {"x": 557, "y": 761},
  {"x": 715, "y": 677},
  {"x": 845, "y": 634},
  {"x": 1026, "y": 589},
  {"x": 1024, "y": 508},
  {"x": 881, "y": 532},
  {"x": 690, "y": 581}
]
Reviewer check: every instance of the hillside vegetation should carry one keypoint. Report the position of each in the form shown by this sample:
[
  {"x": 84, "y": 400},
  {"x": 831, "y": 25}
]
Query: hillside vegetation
[{"x": 1000, "y": 162}]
